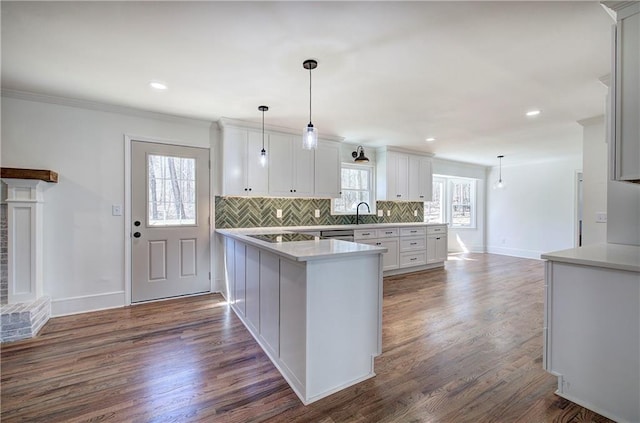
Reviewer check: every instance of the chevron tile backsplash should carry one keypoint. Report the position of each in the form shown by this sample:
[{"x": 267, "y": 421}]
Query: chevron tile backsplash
[{"x": 249, "y": 212}]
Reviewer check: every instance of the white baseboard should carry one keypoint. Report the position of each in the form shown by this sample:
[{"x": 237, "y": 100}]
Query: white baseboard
[
  {"x": 515, "y": 252},
  {"x": 86, "y": 303},
  {"x": 471, "y": 248}
]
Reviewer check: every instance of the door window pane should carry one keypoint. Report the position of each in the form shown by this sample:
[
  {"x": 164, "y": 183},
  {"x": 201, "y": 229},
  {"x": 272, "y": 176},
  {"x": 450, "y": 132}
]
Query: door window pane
[{"x": 172, "y": 184}]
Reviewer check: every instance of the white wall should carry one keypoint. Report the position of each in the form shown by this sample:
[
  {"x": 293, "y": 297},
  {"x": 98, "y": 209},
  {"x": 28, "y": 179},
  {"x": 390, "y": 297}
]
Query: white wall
[
  {"x": 83, "y": 242},
  {"x": 535, "y": 212},
  {"x": 461, "y": 239},
  {"x": 594, "y": 186}
]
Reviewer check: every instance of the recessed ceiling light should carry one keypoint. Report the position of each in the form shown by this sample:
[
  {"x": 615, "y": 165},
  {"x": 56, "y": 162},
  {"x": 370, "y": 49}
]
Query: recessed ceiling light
[
  {"x": 158, "y": 85},
  {"x": 533, "y": 112},
  {"x": 430, "y": 139}
]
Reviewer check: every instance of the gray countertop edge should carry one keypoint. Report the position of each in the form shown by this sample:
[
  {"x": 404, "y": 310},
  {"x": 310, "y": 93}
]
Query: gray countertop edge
[
  {"x": 343, "y": 248},
  {"x": 609, "y": 256}
]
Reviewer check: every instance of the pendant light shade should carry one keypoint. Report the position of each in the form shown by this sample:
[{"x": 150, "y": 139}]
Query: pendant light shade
[
  {"x": 310, "y": 133},
  {"x": 263, "y": 152},
  {"x": 359, "y": 156},
  {"x": 499, "y": 184}
]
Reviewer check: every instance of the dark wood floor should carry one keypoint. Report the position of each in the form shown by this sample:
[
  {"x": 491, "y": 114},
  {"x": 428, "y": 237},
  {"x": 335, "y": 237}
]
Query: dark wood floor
[{"x": 459, "y": 345}]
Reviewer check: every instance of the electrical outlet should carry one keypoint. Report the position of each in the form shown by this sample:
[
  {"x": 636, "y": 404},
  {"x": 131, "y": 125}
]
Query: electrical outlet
[
  {"x": 388, "y": 212},
  {"x": 116, "y": 210},
  {"x": 279, "y": 213},
  {"x": 380, "y": 213},
  {"x": 601, "y": 217},
  {"x": 316, "y": 213},
  {"x": 415, "y": 212}
]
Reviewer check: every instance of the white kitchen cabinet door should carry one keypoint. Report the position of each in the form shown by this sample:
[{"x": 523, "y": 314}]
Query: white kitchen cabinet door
[
  {"x": 252, "y": 292},
  {"x": 280, "y": 166},
  {"x": 420, "y": 178},
  {"x": 270, "y": 301},
  {"x": 390, "y": 259},
  {"x": 327, "y": 170},
  {"x": 397, "y": 174},
  {"x": 291, "y": 168},
  {"x": 240, "y": 277},
  {"x": 304, "y": 170},
  {"x": 626, "y": 107},
  {"x": 437, "y": 249},
  {"x": 257, "y": 175},
  {"x": 242, "y": 173}
]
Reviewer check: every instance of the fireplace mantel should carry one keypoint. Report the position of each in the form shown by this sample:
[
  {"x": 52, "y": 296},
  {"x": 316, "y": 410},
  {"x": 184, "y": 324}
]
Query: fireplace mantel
[{"x": 42, "y": 175}]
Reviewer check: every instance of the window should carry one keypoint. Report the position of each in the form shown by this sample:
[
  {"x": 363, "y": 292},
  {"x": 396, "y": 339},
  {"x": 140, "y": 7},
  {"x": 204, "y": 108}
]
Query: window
[
  {"x": 172, "y": 184},
  {"x": 356, "y": 185},
  {"x": 454, "y": 202}
]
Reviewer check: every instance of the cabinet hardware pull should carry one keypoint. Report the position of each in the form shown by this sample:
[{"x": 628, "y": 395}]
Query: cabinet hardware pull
[
  {"x": 413, "y": 259},
  {"x": 413, "y": 243},
  {"x": 367, "y": 234},
  {"x": 378, "y": 243},
  {"x": 249, "y": 189},
  {"x": 388, "y": 233},
  {"x": 438, "y": 238},
  {"x": 246, "y": 189},
  {"x": 422, "y": 196}
]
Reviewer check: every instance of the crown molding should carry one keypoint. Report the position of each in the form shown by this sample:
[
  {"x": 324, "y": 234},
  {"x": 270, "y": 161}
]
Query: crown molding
[
  {"x": 102, "y": 107},
  {"x": 224, "y": 122},
  {"x": 404, "y": 150}
]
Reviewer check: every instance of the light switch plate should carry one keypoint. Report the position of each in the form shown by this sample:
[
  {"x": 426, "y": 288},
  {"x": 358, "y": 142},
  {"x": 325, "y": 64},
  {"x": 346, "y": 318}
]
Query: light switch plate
[
  {"x": 316, "y": 213},
  {"x": 415, "y": 212},
  {"x": 279, "y": 213},
  {"x": 388, "y": 212},
  {"x": 116, "y": 210},
  {"x": 380, "y": 213},
  {"x": 601, "y": 217}
]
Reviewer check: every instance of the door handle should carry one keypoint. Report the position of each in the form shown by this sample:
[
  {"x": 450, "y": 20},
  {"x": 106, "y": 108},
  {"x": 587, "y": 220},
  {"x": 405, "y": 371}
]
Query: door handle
[{"x": 137, "y": 234}]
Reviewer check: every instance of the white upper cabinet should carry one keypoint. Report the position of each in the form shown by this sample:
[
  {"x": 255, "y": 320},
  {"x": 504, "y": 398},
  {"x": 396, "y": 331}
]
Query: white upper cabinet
[
  {"x": 420, "y": 178},
  {"x": 242, "y": 173},
  {"x": 291, "y": 168},
  {"x": 402, "y": 176},
  {"x": 327, "y": 170},
  {"x": 625, "y": 153}
]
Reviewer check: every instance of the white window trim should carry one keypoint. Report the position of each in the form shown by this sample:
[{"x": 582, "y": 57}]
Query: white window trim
[
  {"x": 447, "y": 197},
  {"x": 372, "y": 184}
]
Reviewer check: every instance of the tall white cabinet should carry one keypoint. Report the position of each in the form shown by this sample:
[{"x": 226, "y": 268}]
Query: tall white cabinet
[
  {"x": 625, "y": 101},
  {"x": 242, "y": 173}
]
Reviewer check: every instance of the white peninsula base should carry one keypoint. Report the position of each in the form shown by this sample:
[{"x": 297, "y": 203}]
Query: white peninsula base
[{"x": 318, "y": 318}]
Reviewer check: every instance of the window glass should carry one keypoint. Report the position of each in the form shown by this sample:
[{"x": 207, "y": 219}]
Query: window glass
[
  {"x": 356, "y": 186},
  {"x": 454, "y": 202},
  {"x": 172, "y": 185}
]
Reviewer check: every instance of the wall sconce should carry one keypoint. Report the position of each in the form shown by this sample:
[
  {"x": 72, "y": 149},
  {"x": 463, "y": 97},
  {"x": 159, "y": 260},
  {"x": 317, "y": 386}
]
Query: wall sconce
[{"x": 359, "y": 156}]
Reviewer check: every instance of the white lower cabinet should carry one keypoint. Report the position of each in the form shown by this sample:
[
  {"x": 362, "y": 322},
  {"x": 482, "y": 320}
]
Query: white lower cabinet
[
  {"x": 240, "y": 277},
  {"x": 293, "y": 296},
  {"x": 390, "y": 259},
  {"x": 437, "y": 244},
  {"x": 229, "y": 268}
]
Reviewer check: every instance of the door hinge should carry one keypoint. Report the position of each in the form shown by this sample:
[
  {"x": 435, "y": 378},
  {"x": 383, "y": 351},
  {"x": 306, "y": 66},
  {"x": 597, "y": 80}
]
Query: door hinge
[{"x": 209, "y": 275}]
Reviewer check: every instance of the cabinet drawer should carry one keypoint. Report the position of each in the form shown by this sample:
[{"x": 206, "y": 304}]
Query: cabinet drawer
[
  {"x": 419, "y": 230},
  {"x": 364, "y": 234},
  {"x": 413, "y": 259},
  {"x": 411, "y": 244},
  {"x": 436, "y": 229},
  {"x": 387, "y": 233}
]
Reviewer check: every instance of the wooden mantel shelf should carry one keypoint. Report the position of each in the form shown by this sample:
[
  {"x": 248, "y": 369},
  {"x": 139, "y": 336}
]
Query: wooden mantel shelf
[{"x": 43, "y": 175}]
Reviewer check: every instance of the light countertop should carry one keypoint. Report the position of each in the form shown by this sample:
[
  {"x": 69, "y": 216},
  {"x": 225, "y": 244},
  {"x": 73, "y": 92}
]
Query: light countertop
[
  {"x": 612, "y": 256},
  {"x": 302, "y": 250}
]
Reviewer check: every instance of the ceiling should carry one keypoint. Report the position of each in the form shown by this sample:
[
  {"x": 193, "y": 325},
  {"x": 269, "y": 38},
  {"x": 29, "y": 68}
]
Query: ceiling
[{"x": 389, "y": 73}]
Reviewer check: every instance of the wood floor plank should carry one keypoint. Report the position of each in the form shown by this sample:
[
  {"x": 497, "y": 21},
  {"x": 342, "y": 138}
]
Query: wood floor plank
[{"x": 460, "y": 344}]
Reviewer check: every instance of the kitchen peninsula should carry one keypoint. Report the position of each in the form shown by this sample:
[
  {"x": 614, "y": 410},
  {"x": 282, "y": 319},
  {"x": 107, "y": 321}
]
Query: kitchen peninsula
[{"x": 314, "y": 305}]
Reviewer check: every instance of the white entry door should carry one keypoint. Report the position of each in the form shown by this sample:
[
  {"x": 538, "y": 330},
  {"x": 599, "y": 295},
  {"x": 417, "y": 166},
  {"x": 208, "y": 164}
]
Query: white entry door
[{"x": 169, "y": 221}]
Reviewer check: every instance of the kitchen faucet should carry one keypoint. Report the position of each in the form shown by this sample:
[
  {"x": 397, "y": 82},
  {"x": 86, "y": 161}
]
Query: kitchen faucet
[{"x": 358, "y": 211}]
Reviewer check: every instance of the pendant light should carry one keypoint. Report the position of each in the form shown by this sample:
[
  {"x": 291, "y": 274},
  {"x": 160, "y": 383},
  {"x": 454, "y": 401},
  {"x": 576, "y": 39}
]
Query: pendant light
[
  {"x": 500, "y": 183},
  {"x": 359, "y": 158},
  {"x": 263, "y": 152},
  {"x": 310, "y": 133}
]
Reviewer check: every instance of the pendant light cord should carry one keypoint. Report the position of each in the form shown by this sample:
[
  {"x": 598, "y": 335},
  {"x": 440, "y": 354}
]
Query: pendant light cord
[
  {"x": 263, "y": 130},
  {"x": 309, "y": 95}
]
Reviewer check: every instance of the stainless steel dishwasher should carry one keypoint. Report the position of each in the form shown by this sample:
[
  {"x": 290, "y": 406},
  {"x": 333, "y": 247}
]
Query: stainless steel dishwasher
[{"x": 343, "y": 234}]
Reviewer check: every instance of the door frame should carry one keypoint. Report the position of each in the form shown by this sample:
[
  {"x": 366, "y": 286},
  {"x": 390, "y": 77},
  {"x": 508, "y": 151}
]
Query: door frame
[{"x": 128, "y": 139}]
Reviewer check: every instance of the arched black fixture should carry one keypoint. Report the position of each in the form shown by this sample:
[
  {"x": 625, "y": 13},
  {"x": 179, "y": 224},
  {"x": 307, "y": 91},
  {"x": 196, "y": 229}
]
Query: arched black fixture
[{"x": 359, "y": 156}]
